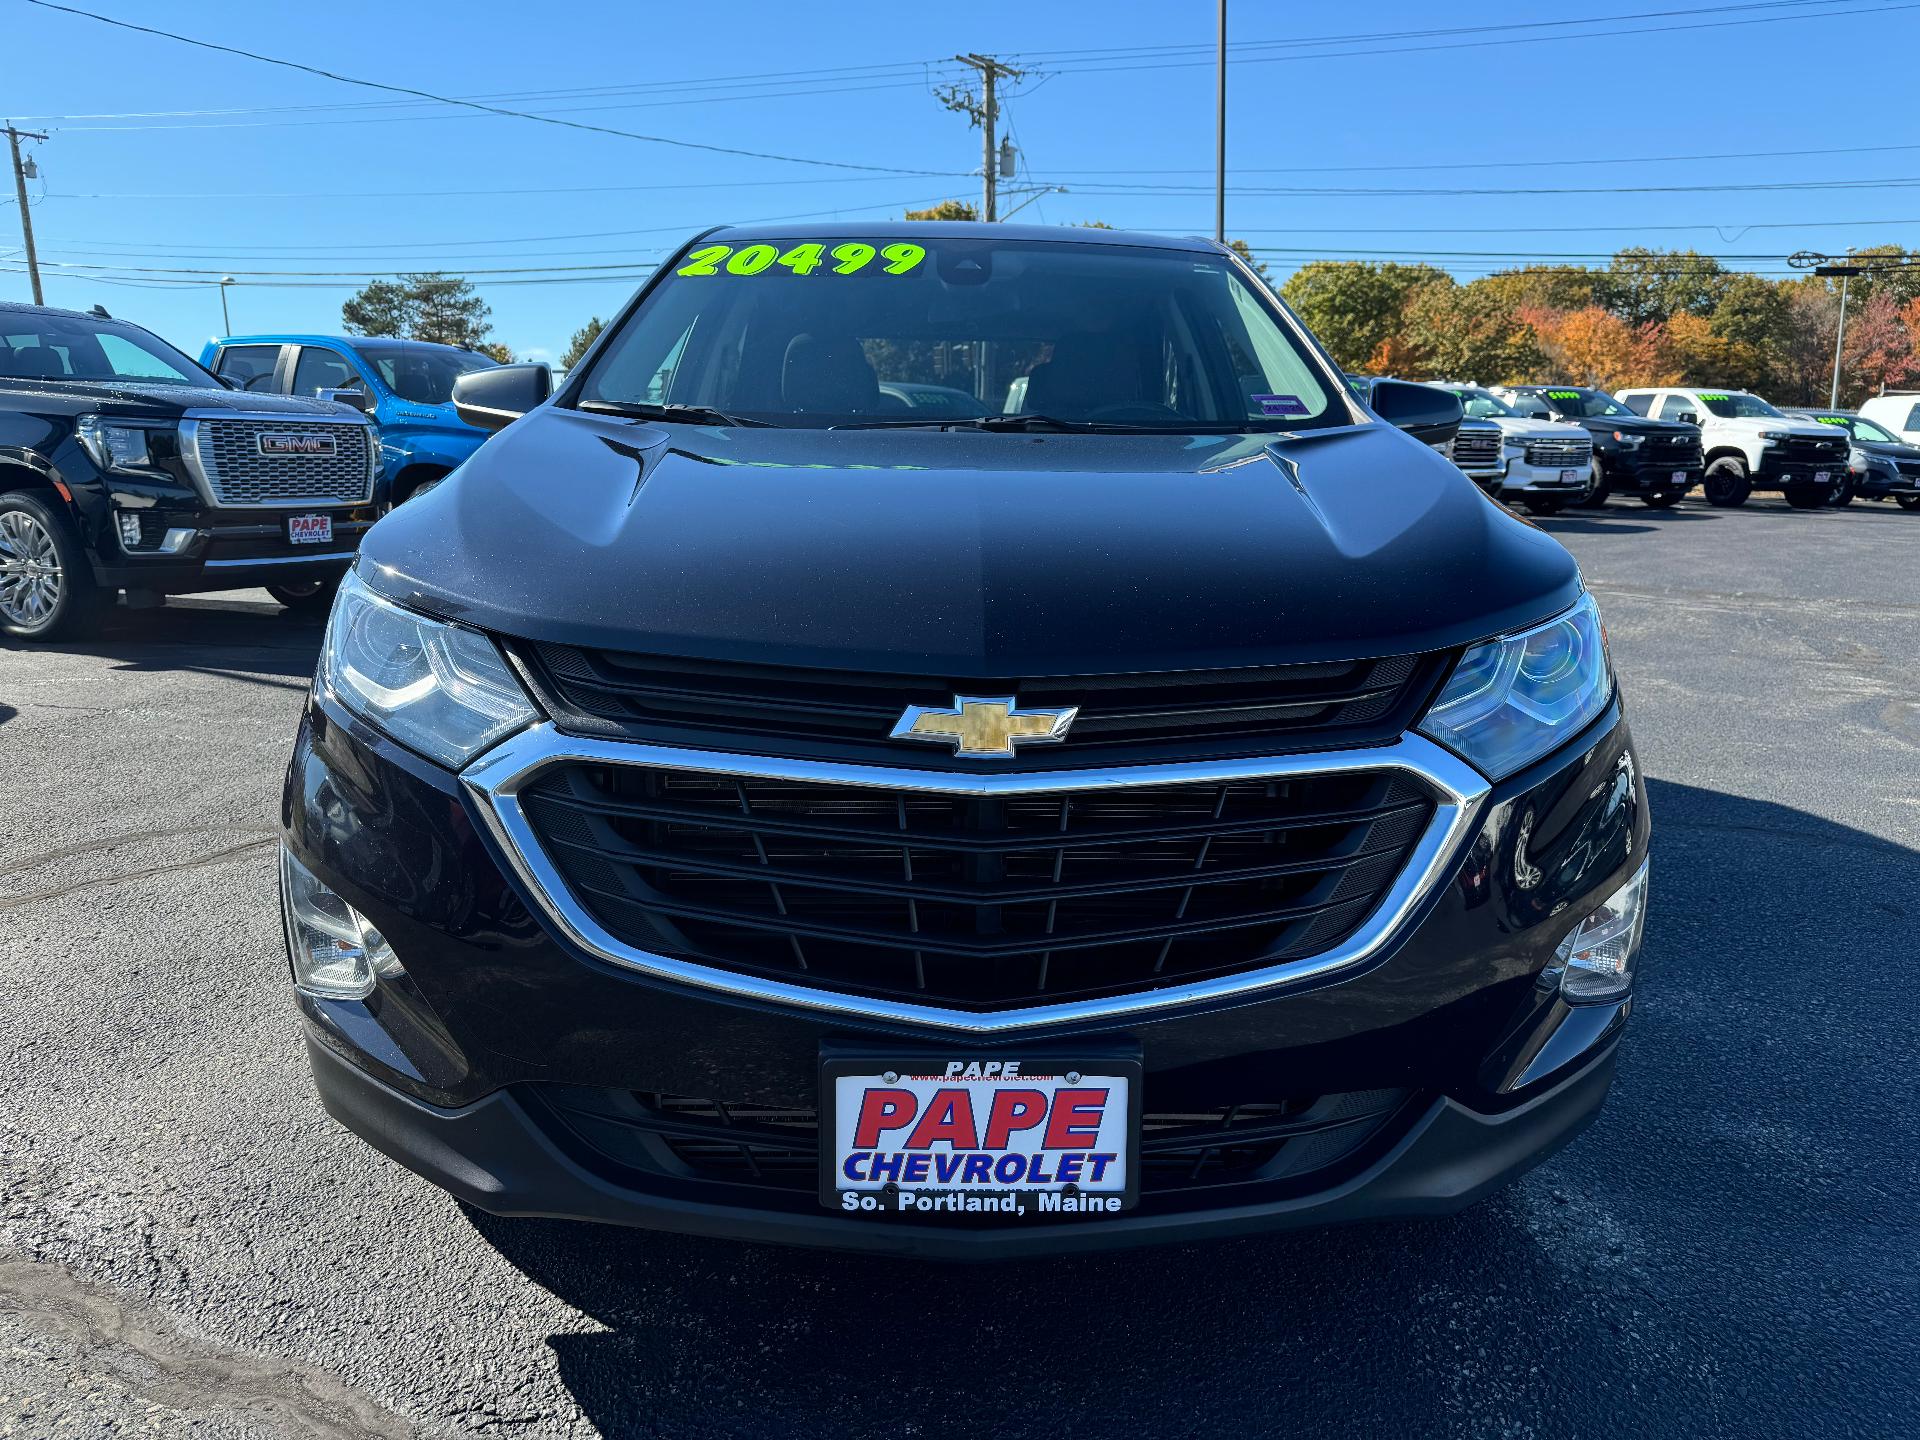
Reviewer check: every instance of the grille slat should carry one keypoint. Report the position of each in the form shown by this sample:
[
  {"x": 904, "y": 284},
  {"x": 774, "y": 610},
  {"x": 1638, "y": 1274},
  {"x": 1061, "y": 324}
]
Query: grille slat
[
  {"x": 228, "y": 455},
  {"x": 980, "y": 901},
  {"x": 1567, "y": 454},
  {"x": 680, "y": 700},
  {"x": 1476, "y": 448}
]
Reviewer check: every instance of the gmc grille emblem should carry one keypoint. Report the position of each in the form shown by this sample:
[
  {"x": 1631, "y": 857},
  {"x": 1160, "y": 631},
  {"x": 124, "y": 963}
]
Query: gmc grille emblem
[{"x": 270, "y": 444}]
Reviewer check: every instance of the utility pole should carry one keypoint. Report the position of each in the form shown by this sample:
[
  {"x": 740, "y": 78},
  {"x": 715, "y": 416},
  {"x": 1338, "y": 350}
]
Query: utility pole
[
  {"x": 985, "y": 112},
  {"x": 14, "y": 137},
  {"x": 1846, "y": 273},
  {"x": 1220, "y": 136}
]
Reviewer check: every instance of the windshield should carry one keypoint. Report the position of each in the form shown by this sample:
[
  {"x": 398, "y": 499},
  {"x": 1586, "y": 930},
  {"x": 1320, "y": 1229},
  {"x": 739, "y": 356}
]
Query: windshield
[
  {"x": 422, "y": 375},
  {"x": 1860, "y": 428},
  {"x": 940, "y": 331},
  {"x": 1582, "y": 404},
  {"x": 41, "y": 347},
  {"x": 1483, "y": 404},
  {"x": 1738, "y": 407}
]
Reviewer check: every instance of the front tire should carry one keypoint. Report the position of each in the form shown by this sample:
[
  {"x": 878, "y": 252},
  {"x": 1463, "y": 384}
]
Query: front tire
[
  {"x": 1597, "y": 491},
  {"x": 1808, "y": 497},
  {"x": 1907, "y": 502},
  {"x": 309, "y": 600},
  {"x": 47, "y": 590},
  {"x": 1727, "y": 484},
  {"x": 1843, "y": 495}
]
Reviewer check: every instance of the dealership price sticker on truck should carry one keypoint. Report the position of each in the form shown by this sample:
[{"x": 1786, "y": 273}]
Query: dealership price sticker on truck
[{"x": 983, "y": 1137}]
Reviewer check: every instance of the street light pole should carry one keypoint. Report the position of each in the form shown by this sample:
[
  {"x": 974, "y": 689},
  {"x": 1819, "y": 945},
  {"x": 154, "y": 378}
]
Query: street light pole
[
  {"x": 1846, "y": 273},
  {"x": 226, "y": 322},
  {"x": 1220, "y": 134}
]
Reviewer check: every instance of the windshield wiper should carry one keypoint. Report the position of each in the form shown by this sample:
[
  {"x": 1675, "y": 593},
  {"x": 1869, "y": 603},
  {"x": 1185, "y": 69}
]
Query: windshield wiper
[
  {"x": 682, "y": 414},
  {"x": 1016, "y": 422}
]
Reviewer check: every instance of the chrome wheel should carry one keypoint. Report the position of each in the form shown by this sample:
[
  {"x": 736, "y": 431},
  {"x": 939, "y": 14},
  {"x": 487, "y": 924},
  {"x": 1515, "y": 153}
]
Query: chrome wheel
[{"x": 31, "y": 579}]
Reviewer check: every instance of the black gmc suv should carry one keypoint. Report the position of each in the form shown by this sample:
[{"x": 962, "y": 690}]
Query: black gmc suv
[
  {"x": 124, "y": 465},
  {"x": 1657, "y": 460},
  {"x": 1170, "y": 801}
]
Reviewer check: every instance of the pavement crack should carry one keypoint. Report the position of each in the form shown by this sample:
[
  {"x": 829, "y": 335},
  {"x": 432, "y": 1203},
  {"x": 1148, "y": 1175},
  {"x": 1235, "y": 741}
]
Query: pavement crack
[
  {"x": 147, "y": 1355},
  {"x": 106, "y": 882}
]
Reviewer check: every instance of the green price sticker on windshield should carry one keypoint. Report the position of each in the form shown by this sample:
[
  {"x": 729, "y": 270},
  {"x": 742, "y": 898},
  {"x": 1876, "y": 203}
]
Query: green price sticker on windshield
[
  {"x": 1712, "y": 395},
  {"x": 1563, "y": 394},
  {"x": 847, "y": 258},
  {"x": 1831, "y": 420}
]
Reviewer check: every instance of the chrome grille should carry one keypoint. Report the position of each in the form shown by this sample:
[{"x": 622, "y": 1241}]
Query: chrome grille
[
  {"x": 1476, "y": 449},
  {"x": 226, "y": 454},
  {"x": 1560, "y": 454}
]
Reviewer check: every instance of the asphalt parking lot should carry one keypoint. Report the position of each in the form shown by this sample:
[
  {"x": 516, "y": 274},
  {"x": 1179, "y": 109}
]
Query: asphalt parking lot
[{"x": 188, "y": 1245}]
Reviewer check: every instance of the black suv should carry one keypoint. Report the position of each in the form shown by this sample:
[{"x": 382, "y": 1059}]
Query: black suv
[
  {"x": 1880, "y": 466},
  {"x": 124, "y": 465},
  {"x": 1657, "y": 460},
  {"x": 1169, "y": 802}
]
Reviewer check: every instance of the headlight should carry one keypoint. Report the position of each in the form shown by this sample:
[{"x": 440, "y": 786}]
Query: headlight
[
  {"x": 1859, "y": 460},
  {"x": 1630, "y": 442},
  {"x": 1772, "y": 435},
  {"x": 1595, "y": 962},
  {"x": 1512, "y": 700},
  {"x": 375, "y": 461},
  {"x": 114, "y": 446},
  {"x": 436, "y": 688}
]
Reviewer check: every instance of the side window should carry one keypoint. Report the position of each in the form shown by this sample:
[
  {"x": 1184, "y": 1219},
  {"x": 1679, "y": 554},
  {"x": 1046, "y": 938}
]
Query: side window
[
  {"x": 1673, "y": 406},
  {"x": 1913, "y": 419},
  {"x": 1640, "y": 402},
  {"x": 324, "y": 370},
  {"x": 251, "y": 366}
]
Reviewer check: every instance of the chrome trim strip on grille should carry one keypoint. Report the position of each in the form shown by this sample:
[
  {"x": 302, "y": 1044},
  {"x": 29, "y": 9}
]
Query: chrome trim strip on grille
[
  {"x": 496, "y": 779},
  {"x": 278, "y": 560},
  {"x": 196, "y": 468}
]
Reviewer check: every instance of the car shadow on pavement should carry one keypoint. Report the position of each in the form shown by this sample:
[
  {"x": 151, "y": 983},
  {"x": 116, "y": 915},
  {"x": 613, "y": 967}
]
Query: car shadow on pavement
[
  {"x": 1750, "y": 1190},
  {"x": 252, "y": 642}
]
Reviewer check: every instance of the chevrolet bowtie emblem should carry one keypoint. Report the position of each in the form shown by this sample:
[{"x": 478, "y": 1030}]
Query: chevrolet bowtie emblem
[{"x": 983, "y": 729}]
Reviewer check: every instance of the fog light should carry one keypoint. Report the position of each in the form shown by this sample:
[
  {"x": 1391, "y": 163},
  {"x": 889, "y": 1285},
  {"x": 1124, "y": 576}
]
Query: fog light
[
  {"x": 177, "y": 540},
  {"x": 129, "y": 530},
  {"x": 1595, "y": 962},
  {"x": 336, "y": 951}
]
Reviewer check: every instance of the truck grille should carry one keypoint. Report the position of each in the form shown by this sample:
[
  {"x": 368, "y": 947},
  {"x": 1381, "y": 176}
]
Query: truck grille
[
  {"x": 977, "y": 902},
  {"x": 777, "y": 1147},
  {"x": 1806, "y": 450},
  {"x": 780, "y": 708},
  {"x": 229, "y": 459},
  {"x": 1476, "y": 449},
  {"x": 1560, "y": 454}
]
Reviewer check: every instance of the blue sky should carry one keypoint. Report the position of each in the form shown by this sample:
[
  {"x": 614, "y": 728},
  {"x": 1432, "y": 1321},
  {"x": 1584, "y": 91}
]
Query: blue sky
[{"x": 275, "y": 171}]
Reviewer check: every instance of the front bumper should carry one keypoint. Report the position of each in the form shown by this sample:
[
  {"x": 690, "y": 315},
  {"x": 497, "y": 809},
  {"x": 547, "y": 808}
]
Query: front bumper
[
  {"x": 449, "y": 1066},
  {"x": 1639, "y": 472},
  {"x": 1882, "y": 484},
  {"x": 1522, "y": 478},
  {"x": 230, "y": 552}
]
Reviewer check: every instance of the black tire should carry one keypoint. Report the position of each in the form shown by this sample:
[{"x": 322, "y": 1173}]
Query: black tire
[
  {"x": 1661, "y": 499},
  {"x": 1727, "y": 484},
  {"x": 308, "y": 600},
  {"x": 1808, "y": 497},
  {"x": 1843, "y": 495},
  {"x": 47, "y": 590},
  {"x": 1597, "y": 491},
  {"x": 1907, "y": 502}
]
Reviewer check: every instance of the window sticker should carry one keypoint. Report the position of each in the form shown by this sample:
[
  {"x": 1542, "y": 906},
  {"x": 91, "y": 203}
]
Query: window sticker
[
  {"x": 1713, "y": 395},
  {"x": 1281, "y": 405},
  {"x": 811, "y": 257},
  {"x": 1563, "y": 394},
  {"x": 1831, "y": 420}
]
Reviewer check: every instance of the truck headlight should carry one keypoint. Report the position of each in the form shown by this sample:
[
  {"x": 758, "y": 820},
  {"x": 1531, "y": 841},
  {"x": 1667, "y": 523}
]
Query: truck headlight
[
  {"x": 112, "y": 445},
  {"x": 440, "y": 689},
  {"x": 1512, "y": 700},
  {"x": 1859, "y": 461},
  {"x": 1773, "y": 436},
  {"x": 1628, "y": 442},
  {"x": 1595, "y": 962}
]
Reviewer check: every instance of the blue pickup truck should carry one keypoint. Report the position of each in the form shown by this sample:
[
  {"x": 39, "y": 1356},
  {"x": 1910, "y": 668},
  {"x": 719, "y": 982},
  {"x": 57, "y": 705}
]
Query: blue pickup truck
[{"x": 408, "y": 385}]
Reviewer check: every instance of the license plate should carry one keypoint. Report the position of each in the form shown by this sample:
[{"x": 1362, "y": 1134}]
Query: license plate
[
  {"x": 958, "y": 1136},
  {"x": 1820, "y": 477},
  {"x": 1679, "y": 477},
  {"x": 1569, "y": 477},
  {"x": 310, "y": 529}
]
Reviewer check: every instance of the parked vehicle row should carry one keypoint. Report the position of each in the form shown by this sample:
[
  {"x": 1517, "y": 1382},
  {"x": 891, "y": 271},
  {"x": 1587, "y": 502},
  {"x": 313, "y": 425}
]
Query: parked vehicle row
[
  {"x": 1751, "y": 446},
  {"x": 1658, "y": 461}
]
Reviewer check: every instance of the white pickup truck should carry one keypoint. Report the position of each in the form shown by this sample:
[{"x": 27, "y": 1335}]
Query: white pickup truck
[
  {"x": 1751, "y": 446},
  {"x": 1547, "y": 465}
]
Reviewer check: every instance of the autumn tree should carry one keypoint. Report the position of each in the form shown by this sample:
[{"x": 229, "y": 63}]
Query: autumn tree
[
  {"x": 1462, "y": 333},
  {"x": 1878, "y": 352},
  {"x": 1643, "y": 285},
  {"x": 1543, "y": 287},
  {"x": 582, "y": 339},
  {"x": 1589, "y": 346},
  {"x": 497, "y": 350},
  {"x": 1804, "y": 356},
  {"x": 435, "y": 307},
  {"x": 947, "y": 210},
  {"x": 1354, "y": 305}
]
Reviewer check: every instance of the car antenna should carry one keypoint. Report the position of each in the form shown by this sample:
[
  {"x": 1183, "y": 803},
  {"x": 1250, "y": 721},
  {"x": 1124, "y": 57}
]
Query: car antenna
[{"x": 99, "y": 312}]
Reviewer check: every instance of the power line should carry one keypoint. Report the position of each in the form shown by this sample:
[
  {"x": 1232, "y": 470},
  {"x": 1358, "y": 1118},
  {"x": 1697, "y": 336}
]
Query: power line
[
  {"x": 1403, "y": 192},
  {"x": 475, "y": 104}
]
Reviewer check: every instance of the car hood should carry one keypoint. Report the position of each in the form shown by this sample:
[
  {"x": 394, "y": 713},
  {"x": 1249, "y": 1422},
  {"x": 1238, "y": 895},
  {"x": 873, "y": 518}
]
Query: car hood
[
  {"x": 1753, "y": 425},
  {"x": 1525, "y": 429},
  {"x": 967, "y": 554},
  {"x": 1892, "y": 449},
  {"x": 150, "y": 400},
  {"x": 1635, "y": 425}
]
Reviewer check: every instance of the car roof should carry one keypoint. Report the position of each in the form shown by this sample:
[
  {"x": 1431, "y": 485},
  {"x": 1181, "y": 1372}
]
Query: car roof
[
  {"x": 355, "y": 342},
  {"x": 21, "y": 307},
  {"x": 959, "y": 229}
]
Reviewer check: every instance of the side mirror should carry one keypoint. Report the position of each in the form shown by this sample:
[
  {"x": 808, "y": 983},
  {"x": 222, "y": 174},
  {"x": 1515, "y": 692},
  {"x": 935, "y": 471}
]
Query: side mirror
[
  {"x": 352, "y": 399},
  {"x": 1431, "y": 416},
  {"x": 1688, "y": 417},
  {"x": 494, "y": 399}
]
